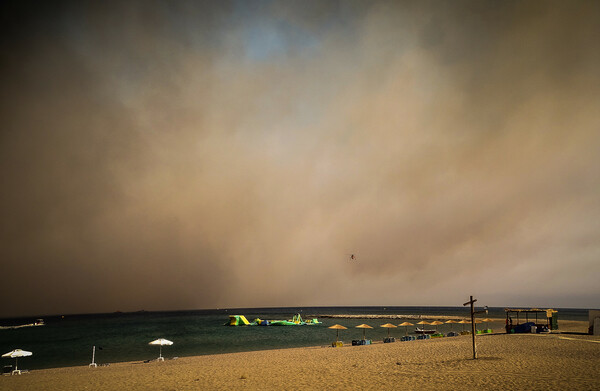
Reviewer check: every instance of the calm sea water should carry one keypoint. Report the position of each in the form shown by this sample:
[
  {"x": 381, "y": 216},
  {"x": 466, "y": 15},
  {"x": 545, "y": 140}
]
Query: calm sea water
[{"x": 67, "y": 341}]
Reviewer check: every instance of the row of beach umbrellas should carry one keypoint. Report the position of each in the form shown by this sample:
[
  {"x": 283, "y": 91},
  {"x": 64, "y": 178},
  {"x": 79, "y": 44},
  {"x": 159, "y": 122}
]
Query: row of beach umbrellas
[{"x": 406, "y": 324}]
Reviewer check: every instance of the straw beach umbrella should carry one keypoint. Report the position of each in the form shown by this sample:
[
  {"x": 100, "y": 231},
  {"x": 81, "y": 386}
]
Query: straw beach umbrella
[
  {"x": 16, "y": 354},
  {"x": 464, "y": 322},
  {"x": 486, "y": 320},
  {"x": 160, "y": 342},
  {"x": 364, "y": 327},
  {"x": 406, "y": 324},
  {"x": 388, "y": 326},
  {"x": 337, "y": 327},
  {"x": 423, "y": 323},
  {"x": 451, "y": 322},
  {"x": 436, "y": 323}
]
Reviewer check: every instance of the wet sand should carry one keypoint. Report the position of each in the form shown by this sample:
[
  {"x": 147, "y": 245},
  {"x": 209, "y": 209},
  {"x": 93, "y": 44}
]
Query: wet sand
[{"x": 523, "y": 361}]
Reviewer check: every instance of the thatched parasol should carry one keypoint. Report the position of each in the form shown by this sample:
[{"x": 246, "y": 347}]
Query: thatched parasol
[
  {"x": 337, "y": 327},
  {"x": 388, "y": 326},
  {"x": 406, "y": 324},
  {"x": 364, "y": 327}
]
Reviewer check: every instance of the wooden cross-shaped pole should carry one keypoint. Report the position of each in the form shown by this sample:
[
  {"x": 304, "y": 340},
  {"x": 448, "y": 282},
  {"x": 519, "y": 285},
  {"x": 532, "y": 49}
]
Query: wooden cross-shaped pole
[
  {"x": 472, "y": 301},
  {"x": 473, "y": 312}
]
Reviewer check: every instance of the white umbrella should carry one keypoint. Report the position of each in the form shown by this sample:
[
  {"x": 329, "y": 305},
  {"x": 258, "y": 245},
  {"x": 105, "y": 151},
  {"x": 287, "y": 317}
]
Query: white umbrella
[
  {"x": 160, "y": 342},
  {"x": 16, "y": 354}
]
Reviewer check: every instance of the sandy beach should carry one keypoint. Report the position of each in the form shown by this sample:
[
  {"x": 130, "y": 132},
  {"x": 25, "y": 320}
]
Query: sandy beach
[{"x": 525, "y": 361}]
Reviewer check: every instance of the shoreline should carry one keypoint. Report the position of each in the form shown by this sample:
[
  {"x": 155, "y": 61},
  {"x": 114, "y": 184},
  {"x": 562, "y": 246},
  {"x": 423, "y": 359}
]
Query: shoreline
[
  {"x": 570, "y": 327},
  {"x": 515, "y": 361}
]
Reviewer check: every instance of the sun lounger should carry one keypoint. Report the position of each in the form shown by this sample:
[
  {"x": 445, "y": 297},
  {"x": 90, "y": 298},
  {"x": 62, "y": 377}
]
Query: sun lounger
[
  {"x": 337, "y": 344},
  {"x": 389, "y": 339}
]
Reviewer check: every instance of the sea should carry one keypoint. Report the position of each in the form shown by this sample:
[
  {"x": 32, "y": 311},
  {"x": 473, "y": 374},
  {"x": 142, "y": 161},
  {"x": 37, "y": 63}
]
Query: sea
[{"x": 68, "y": 340}]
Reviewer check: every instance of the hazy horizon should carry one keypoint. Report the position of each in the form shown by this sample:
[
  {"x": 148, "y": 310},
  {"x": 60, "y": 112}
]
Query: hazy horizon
[
  {"x": 466, "y": 309},
  {"x": 174, "y": 154}
]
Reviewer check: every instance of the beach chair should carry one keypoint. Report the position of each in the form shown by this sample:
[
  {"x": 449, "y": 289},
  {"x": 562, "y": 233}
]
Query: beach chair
[
  {"x": 337, "y": 344},
  {"x": 389, "y": 339}
]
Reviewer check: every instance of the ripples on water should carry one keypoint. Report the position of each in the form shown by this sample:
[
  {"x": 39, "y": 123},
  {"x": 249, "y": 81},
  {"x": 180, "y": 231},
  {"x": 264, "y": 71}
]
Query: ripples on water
[{"x": 121, "y": 337}]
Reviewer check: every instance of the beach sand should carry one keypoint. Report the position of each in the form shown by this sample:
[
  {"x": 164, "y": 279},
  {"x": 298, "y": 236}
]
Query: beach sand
[{"x": 523, "y": 361}]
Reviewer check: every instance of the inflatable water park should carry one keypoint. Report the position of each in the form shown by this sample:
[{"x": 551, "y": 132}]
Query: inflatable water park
[{"x": 240, "y": 320}]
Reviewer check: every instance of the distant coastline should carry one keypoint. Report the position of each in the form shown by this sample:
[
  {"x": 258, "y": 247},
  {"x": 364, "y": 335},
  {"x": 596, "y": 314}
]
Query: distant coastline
[{"x": 392, "y": 316}]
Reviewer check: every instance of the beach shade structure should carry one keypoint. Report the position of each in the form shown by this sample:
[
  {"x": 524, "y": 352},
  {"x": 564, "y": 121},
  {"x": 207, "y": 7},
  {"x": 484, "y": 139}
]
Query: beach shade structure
[
  {"x": 160, "y": 342},
  {"x": 464, "y": 322},
  {"x": 451, "y": 322},
  {"x": 364, "y": 327},
  {"x": 423, "y": 323},
  {"x": 337, "y": 327},
  {"x": 436, "y": 323},
  {"x": 406, "y": 324},
  {"x": 486, "y": 320},
  {"x": 16, "y": 354},
  {"x": 388, "y": 326}
]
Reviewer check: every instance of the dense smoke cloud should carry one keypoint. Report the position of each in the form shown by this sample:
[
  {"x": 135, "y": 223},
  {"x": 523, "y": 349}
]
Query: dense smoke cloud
[{"x": 171, "y": 155}]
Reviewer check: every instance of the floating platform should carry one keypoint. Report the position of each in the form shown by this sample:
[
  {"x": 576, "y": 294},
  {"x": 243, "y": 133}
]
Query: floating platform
[{"x": 240, "y": 320}]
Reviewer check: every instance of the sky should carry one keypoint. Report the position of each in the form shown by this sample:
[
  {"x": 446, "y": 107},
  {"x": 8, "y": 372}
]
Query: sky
[{"x": 167, "y": 155}]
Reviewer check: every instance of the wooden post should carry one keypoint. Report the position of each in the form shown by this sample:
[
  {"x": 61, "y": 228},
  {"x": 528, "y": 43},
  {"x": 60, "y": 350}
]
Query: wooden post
[
  {"x": 472, "y": 301},
  {"x": 473, "y": 312},
  {"x": 473, "y": 328}
]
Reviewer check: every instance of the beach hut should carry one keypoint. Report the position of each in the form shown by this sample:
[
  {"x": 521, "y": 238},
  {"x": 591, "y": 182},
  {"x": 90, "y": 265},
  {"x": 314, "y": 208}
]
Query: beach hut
[{"x": 551, "y": 322}]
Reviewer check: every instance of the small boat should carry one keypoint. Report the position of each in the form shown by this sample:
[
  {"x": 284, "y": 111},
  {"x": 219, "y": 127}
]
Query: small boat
[{"x": 422, "y": 331}]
